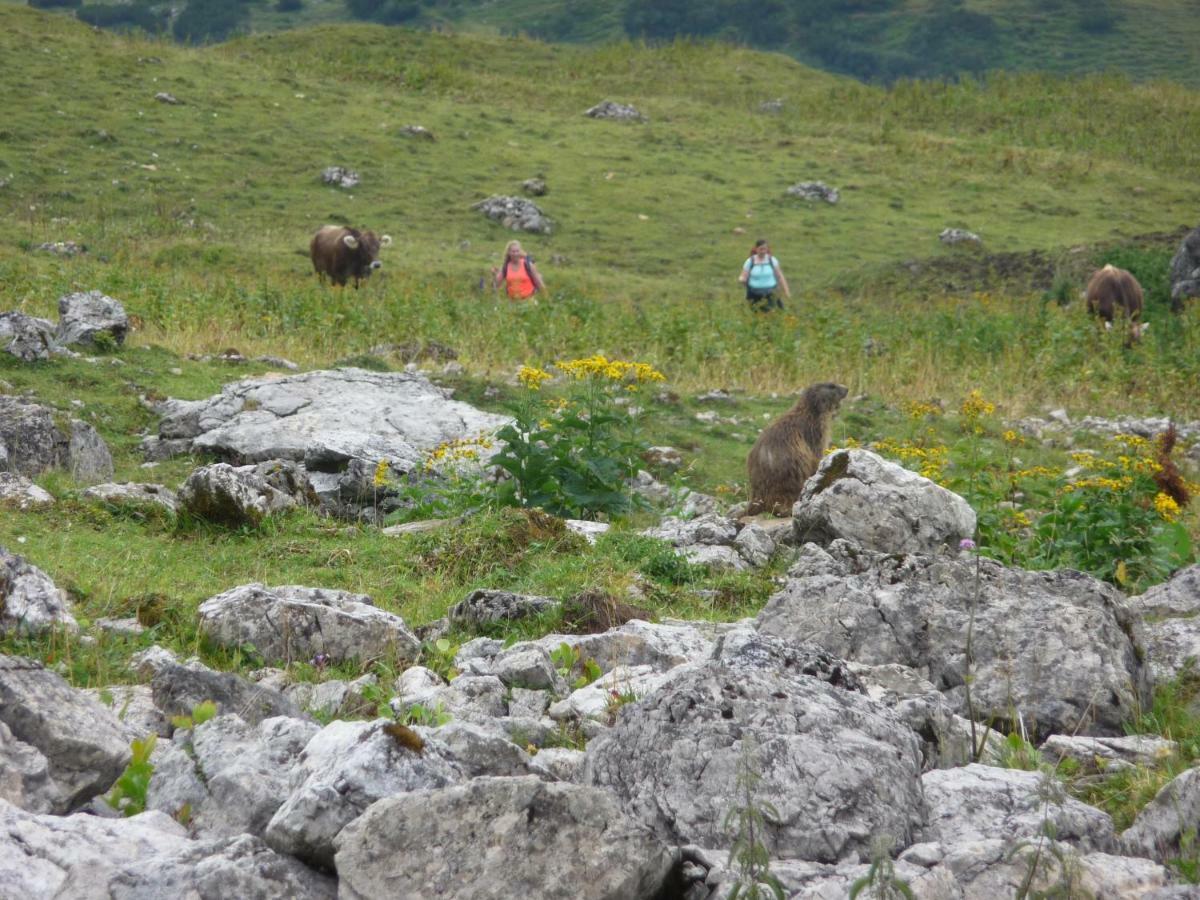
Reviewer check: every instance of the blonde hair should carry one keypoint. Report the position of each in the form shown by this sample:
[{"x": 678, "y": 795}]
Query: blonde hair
[{"x": 509, "y": 248}]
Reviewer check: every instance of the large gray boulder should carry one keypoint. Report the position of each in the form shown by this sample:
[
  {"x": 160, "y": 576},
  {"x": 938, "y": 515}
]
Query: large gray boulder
[
  {"x": 30, "y": 601},
  {"x": 1056, "y": 649},
  {"x": 135, "y": 495},
  {"x": 32, "y": 440},
  {"x": 296, "y": 623},
  {"x": 1165, "y": 821},
  {"x": 178, "y": 689},
  {"x": 232, "y": 495},
  {"x": 18, "y": 491},
  {"x": 82, "y": 743},
  {"x": 487, "y": 607},
  {"x": 234, "y": 775},
  {"x": 839, "y": 768},
  {"x": 84, "y": 315},
  {"x": 147, "y": 856},
  {"x": 326, "y": 419},
  {"x": 1185, "y": 269},
  {"x": 859, "y": 496},
  {"x": 515, "y": 214},
  {"x": 1171, "y": 624},
  {"x": 28, "y": 338},
  {"x": 499, "y": 838},
  {"x": 342, "y": 771}
]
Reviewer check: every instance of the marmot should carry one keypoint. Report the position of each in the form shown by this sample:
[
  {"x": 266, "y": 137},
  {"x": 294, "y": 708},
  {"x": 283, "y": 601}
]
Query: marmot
[
  {"x": 789, "y": 450},
  {"x": 1113, "y": 292}
]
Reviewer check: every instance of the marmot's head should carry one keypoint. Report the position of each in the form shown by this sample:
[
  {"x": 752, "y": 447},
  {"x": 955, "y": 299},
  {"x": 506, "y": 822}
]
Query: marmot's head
[{"x": 825, "y": 397}]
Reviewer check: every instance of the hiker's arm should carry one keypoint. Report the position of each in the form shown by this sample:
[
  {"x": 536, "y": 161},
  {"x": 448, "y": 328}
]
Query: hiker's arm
[
  {"x": 744, "y": 275},
  {"x": 537, "y": 277},
  {"x": 497, "y": 279},
  {"x": 787, "y": 292}
]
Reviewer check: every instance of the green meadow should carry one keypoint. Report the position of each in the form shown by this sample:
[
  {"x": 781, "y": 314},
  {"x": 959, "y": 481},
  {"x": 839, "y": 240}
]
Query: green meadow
[{"x": 197, "y": 216}]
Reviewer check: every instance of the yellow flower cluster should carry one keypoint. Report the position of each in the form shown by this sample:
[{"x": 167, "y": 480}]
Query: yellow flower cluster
[
  {"x": 1012, "y": 437},
  {"x": 1036, "y": 472},
  {"x": 610, "y": 369},
  {"x": 1099, "y": 483},
  {"x": 381, "y": 473},
  {"x": 915, "y": 410},
  {"x": 848, "y": 444},
  {"x": 1018, "y": 518},
  {"x": 932, "y": 459},
  {"x": 975, "y": 406},
  {"x": 1132, "y": 441},
  {"x": 1139, "y": 464},
  {"x": 1166, "y": 506},
  {"x": 532, "y": 378},
  {"x": 457, "y": 450},
  {"x": 1085, "y": 460}
]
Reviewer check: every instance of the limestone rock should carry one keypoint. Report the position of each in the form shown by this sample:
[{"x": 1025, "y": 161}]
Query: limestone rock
[
  {"x": 814, "y": 190},
  {"x": 84, "y": 315},
  {"x": 608, "y": 109},
  {"x": 30, "y": 602},
  {"x": 557, "y": 842},
  {"x": 28, "y": 338},
  {"x": 1055, "y": 647},
  {"x": 132, "y": 494},
  {"x": 1171, "y": 623},
  {"x": 82, "y": 742},
  {"x": 839, "y": 768},
  {"x": 17, "y": 490},
  {"x": 231, "y": 495},
  {"x": 342, "y": 771},
  {"x": 32, "y": 440},
  {"x": 486, "y": 607},
  {"x": 178, "y": 689},
  {"x": 298, "y": 623},
  {"x": 859, "y": 496},
  {"x": 1159, "y": 828},
  {"x": 326, "y": 419},
  {"x": 515, "y": 214}
]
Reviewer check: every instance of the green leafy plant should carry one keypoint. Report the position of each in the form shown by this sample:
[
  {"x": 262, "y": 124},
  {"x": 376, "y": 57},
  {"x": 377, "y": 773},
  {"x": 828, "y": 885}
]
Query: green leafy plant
[
  {"x": 419, "y": 714},
  {"x": 573, "y": 455},
  {"x": 749, "y": 856},
  {"x": 567, "y": 658},
  {"x": 200, "y": 714},
  {"x": 438, "y": 656},
  {"x": 128, "y": 794},
  {"x": 881, "y": 881}
]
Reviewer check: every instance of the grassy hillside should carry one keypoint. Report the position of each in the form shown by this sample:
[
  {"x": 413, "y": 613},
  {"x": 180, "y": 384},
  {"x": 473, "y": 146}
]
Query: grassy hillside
[
  {"x": 874, "y": 40},
  {"x": 197, "y": 215}
]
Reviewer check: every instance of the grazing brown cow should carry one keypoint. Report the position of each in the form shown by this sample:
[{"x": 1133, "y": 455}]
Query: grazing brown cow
[
  {"x": 343, "y": 253},
  {"x": 1111, "y": 292}
]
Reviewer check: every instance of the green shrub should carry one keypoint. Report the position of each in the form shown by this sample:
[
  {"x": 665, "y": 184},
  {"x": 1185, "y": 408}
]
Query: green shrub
[{"x": 128, "y": 794}]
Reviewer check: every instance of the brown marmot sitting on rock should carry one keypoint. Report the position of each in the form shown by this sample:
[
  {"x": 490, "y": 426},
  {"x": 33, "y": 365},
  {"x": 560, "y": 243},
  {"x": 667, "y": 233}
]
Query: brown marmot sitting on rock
[{"x": 789, "y": 450}]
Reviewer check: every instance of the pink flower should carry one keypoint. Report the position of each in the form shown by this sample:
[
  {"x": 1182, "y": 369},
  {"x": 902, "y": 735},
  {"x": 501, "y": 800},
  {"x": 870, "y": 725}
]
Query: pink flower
[{"x": 966, "y": 544}]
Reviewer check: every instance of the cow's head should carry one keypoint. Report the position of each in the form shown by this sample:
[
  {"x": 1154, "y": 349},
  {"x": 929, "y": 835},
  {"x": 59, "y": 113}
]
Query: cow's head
[{"x": 366, "y": 246}]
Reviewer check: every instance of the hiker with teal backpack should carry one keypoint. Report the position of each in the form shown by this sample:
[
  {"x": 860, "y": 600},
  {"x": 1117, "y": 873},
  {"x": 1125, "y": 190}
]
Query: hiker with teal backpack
[{"x": 762, "y": 276}]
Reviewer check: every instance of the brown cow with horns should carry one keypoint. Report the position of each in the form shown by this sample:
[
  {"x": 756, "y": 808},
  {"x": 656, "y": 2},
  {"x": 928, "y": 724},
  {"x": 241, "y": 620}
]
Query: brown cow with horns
[
  {"x": 1111, "y": 292},
  {"x": 343, "y": 253}
]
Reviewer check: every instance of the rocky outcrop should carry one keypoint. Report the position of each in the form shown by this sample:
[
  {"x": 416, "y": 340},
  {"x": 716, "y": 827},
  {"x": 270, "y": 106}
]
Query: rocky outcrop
[
  {"x": 28, "y": 338},
  {"x": 291, "y": 623},
  {"x": 1171, "y": 624},
  {"x": 1165, "y": 822},
  {"x": 232, "y": 495},
  {"x": 1057, "y": 650},
  {"x": 78, "y": 744},
  {"x": 36, "y": 438},
  {"x": 325, "y": 419},
  {"x": 17, "y": 490},
  {"x": 880, "y": 505},
  {"x": 1185, "y": 270},
  {"x": 30, "y": 602},
  {"x": 132, "y": 494},
  {"x": 487, "y": 607},
  {"x": 557, "y": 841},
  {"x": 515, "y": 214},
  {"x": 814, "y": 190},
  {"x": 85, "y": 315},
  {"x": 178, "y": 689},
  {"x": 839, "y": 768},
  {"x": 342, "y": 771},
  {"x": 150, "y": 855},
  {"x": 609, "y": 109}
]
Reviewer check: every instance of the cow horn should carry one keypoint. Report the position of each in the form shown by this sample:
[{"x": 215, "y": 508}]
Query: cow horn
[
  {"x": 350, "y": 241},
  {"x": 385, "y": 241}
]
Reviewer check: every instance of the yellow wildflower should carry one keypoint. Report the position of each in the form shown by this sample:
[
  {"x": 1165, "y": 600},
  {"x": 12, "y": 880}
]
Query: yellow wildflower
[
  {"x": 532, "y": 378},
  {"x": 916, "y": 410},
  {"x": 381, "y": 473},
  {"x": 975, "y": 406},
  {"x": 1165, "y": 506},
  {"x": 1012, "y": 437}
]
